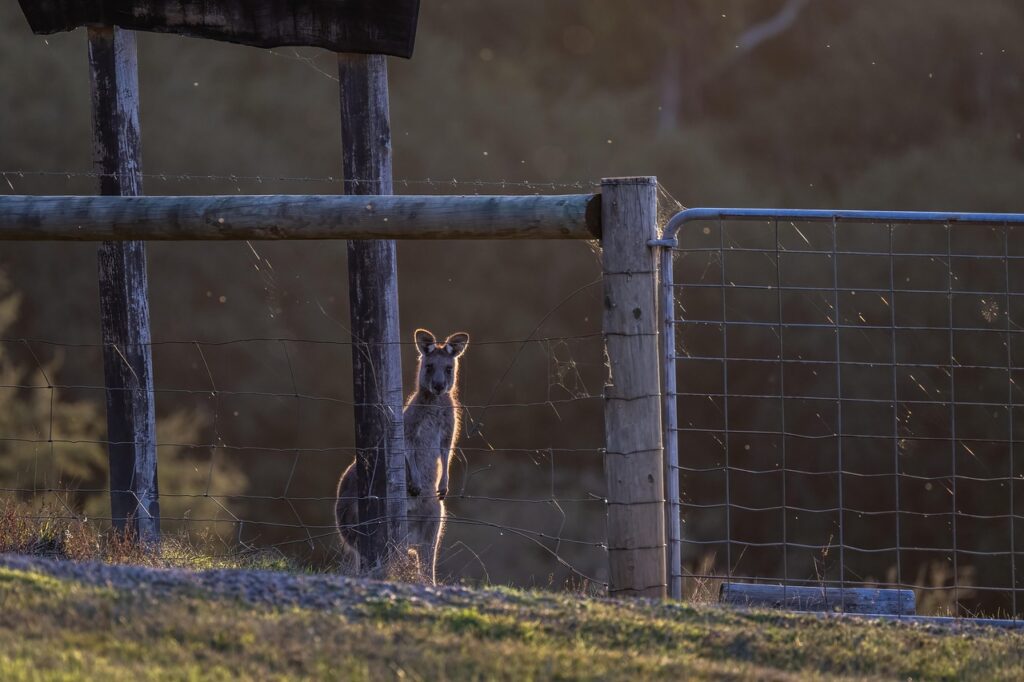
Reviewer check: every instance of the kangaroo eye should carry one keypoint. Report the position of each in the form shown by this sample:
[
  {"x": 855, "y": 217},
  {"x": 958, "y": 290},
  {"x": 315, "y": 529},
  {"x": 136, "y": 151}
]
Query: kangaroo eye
[
  {"x": 448, "y": 370},
  {"x": 430, "y": 368}
]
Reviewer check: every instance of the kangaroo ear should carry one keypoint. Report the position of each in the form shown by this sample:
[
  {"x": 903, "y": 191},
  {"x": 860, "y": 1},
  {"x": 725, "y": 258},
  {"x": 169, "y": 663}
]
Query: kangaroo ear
[
  {"x": 457, "y": 343},
  {"x": 425, "y": 341}
]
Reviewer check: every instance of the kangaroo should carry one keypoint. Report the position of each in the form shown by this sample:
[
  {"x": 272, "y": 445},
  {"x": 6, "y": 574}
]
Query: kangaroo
[{"x": 432, "y": 420}]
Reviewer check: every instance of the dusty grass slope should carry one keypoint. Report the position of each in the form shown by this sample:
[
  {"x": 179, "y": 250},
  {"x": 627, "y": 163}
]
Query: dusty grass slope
[{"x": 54, "y": 626}]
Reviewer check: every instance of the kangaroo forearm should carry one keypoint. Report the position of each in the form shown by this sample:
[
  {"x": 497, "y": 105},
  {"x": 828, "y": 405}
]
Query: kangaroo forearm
[{"x": 445, "y": 458}]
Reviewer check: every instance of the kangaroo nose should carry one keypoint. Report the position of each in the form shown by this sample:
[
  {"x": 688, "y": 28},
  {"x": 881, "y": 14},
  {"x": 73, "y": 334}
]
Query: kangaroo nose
[{"x": 438, "y": 387}]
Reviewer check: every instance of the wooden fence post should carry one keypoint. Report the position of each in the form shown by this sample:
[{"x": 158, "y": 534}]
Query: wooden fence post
[
  {"x": 632, "y": 412},
  {"x": 373, "y": 301},
  {"x": 124, "y": 302}
]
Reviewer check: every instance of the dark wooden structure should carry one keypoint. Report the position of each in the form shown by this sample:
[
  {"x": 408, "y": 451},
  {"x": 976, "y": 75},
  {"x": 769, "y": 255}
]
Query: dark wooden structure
[
  {"x": 369, "y": 28},
  {"x": 364, "y": 26}
]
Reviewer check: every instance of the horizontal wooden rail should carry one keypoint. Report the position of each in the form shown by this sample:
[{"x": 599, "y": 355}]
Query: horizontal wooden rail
[{"x": 286, "y": 216}]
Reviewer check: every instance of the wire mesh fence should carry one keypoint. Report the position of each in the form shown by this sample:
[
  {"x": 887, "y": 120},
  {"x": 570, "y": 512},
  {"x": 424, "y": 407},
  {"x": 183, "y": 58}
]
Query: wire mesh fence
[
  {"x": 848, "y": 405},
  {"x": 518, "y": 511},
  {"x": 842, "y": 410},
  {"x": 255, "y": 422}
]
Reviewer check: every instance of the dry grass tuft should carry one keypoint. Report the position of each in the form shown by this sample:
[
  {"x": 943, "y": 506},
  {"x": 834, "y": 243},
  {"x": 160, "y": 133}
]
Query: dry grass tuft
[{"x": 44, "y": 531}]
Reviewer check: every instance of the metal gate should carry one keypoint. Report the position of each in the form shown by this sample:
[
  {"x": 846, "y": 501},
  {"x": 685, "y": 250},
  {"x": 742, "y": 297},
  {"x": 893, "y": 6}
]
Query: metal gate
[{"x": 842, "y": 392}]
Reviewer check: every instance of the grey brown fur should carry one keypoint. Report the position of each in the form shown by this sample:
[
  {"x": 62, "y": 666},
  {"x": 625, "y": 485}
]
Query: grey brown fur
[{"x": 431, "y": 418}]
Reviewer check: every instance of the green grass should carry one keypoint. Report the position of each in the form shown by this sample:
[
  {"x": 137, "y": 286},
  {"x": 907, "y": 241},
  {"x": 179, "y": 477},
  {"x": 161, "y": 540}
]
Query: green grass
[{"x": 56, "y": 630}]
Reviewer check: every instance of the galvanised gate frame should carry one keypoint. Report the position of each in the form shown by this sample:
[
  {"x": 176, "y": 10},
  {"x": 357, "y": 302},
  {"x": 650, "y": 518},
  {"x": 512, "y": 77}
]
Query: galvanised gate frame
[{"x": 833, "y": 439}]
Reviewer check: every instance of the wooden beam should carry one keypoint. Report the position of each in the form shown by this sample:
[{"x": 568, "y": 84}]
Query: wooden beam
[
  {"x": 863, "y": 600},
  {"x": 366, "y": 26},
  {"x": 373, "y": 315},
  {"x": 78, "y": 218},
  {"x": 124, "y": 302},
  {"x": 632, "y": 411}
]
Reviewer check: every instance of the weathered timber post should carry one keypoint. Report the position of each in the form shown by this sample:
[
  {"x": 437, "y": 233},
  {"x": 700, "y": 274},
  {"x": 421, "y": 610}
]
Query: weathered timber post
[
  {"x": 124, "y": 303},
  {"x": 632, "y": 409},
  {"x": 373, "y": 304}
]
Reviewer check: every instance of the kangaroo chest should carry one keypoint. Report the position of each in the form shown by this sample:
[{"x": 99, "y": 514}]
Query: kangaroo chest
[{"x": 425, "y": 427}]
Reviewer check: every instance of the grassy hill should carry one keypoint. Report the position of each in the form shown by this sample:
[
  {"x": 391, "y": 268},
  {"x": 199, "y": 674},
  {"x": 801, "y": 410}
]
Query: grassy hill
[{"x": 131, "y": 623}]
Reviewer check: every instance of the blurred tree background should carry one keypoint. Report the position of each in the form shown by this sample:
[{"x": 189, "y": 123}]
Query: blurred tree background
[{"x": 797, "y": 103}]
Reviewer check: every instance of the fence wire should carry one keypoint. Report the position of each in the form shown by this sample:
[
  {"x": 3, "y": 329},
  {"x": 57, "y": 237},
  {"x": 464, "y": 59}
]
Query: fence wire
[
  {"x": 530, "y": 499},
  {"x": 845, "y": 391},
  {"x": 24, "y": 181}
]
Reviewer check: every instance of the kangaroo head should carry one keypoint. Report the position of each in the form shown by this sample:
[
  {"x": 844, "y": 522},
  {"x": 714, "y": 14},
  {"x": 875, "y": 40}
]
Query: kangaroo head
[{"x": 439, "y": 364}]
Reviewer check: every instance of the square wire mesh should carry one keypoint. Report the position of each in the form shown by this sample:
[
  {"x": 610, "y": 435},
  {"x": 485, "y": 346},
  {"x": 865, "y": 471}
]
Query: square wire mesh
[{"x": 848, "y": 410}]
